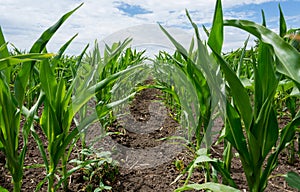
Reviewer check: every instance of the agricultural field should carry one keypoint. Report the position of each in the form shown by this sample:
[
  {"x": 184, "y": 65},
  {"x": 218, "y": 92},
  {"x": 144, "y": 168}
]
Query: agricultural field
[{"x": 197, "y": 119}]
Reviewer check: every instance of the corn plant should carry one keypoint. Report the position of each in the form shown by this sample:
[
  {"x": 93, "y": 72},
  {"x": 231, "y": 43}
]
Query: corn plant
[
  {"x": 60, "y": 106},
  {"x": 292, "y": 97},
  {"x": 260, "y": 142},
  {"x": 203, "y": 72},
  {"x": 58, "y": 113},
  {"x": 11, "y": 108},
  {"x": 259, "y": 121},
  {"x": 114, "y": 60},
  {"x": 170, "y": 96},
  {"x": 287, "y": 99}
]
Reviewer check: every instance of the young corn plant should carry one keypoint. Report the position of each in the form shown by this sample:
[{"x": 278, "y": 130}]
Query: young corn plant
[
  {"x": 202, "y": 71},
  {"x": 11, "y": 109},
  {"x": 292, "y": 36},
  {"x": 240, "y": 61},
  {"x": 287, "y": 99},
  {"x": 259, "y": 145},
  {"x": 253, "y": 130},
  {"x": 60, "y": 108},
  {"x": 170, "y": 96},
  {"x": 115, "y": 59},
  {"x": 14, "y": 102}
]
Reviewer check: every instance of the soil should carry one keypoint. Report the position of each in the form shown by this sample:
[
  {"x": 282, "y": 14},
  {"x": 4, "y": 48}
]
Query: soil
[{"x": 146, "y": 163}]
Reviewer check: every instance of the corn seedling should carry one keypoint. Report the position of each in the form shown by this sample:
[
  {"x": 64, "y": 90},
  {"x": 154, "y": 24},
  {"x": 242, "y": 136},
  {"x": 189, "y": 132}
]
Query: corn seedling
[
  {"x": 60, "y": 107},
  {"x": 11, "y": 108},
  {"x": 258, "y": 122},
  {"x": 58, "y": 114},
  {"x": 200, "y": 69},
  {"x": 115, "y": 59}
]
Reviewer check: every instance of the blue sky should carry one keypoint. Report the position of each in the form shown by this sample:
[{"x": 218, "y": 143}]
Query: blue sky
[{"x": 23, "y": 21}]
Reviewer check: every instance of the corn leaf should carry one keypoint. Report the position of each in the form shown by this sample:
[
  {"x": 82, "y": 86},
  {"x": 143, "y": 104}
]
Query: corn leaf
[
  {"x": 23, "y": 76},
  {"x": 215, "y": 39},
  {"x": 24, "y": 58},
  {"x": 40, "y": 44},
  {"x": 288, "y": 56},
  {"x": 237, "y": 89},
  {"x": 64, "y": 47},
  {"x": 241, "y": 98},
  {"x": 178, "y": 46},
  {"x": 264, "y": 23},
  {"x": 84, "y": 96},
  {"x": 265, "y": 128},
  {"x": 282, "y": 23},
  {"x": 293, "y": 179},
  {"x": 216, "y": 187},
  {"x": 48, "y": 82},
  {"x": 208, "y": 66},
  {"x": 4, "y": 53},
  {"x": 234, "y": 134},
  {"x": 287, "y": 134}
]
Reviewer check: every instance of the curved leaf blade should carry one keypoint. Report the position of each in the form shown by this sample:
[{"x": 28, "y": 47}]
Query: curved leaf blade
[
  {"x": 215, "y": 38},
  {"x": 293, "y": 179},
  {"x": 40, "y": 44},
  {"x": 288, "y": 56},
  {"x": 216, "y": 187}
]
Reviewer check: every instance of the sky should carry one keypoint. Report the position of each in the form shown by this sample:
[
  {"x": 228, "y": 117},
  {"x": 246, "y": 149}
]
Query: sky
[{"x": 23, "y": 21}]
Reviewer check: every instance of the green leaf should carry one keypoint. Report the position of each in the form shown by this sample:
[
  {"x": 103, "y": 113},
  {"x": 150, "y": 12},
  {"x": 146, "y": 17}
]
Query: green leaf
[
  {"x": 287, "y": 134},
  {"x": 288, "y": 56},
  {"x": 2, "y": 189},
  {"x": 24, "y": 58},
  {"x": 282, "y": 23},
  {"x": 240, "y": 63},
  {"x": 64, "y": 47},
  {"x": 178, "y": 46},
  {"x": 40, "y": 44},
  {"x": 4, "y": 53},
  {"x": 238, "y": 92},
  {"x": 202, "y": 156},
  {"x": 265, "y": 128},
  {"x": 234, "y": 133},
  {"x": 23, "y": 76},
  {"x": 61, "y": 150},
  {"x": 215, "y": 187},
  {"x": 215, "y": 39},
  {"x": 78, "y": 61},
  {"x": 84, "y": 96},
  {"x": 293, "y": 179},
  {"x": 264, "y": 23},
  {"x": 219, "y": 166},
  {"x": 48, "y": 82}
]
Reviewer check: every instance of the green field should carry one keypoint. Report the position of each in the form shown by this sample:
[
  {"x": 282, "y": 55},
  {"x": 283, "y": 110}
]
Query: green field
[{"x": 251, "y": 89}]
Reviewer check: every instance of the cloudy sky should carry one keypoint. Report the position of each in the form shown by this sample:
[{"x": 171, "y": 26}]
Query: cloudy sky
[{"x": 23, "y": 21}]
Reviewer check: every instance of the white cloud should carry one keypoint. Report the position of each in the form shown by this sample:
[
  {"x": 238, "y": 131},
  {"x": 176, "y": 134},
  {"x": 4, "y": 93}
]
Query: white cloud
[{"x": 24, "y": 21}]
